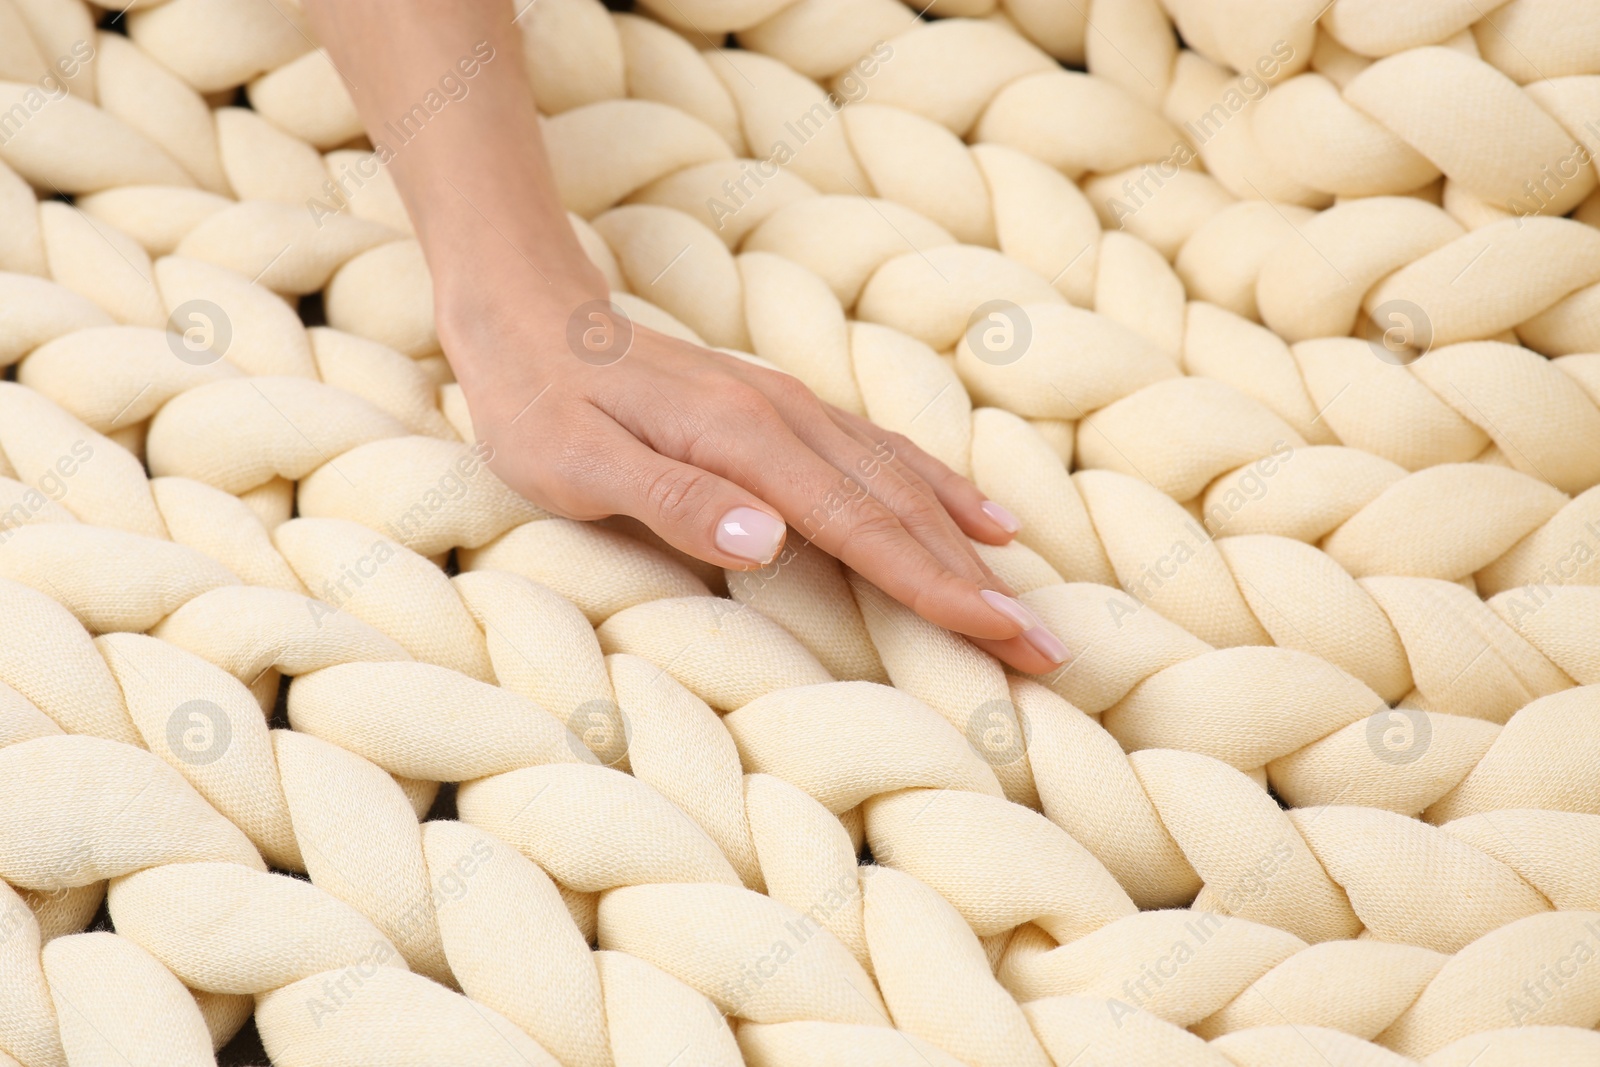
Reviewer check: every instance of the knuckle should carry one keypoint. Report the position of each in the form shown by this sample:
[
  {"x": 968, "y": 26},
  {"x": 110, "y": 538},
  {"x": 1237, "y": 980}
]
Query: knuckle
[
  {"x": 897, "y": 442},
  {"x": 902, "y": 449},
  {"x": 920, "y": 465},
  {"x": 944, "y": 479},
  {"x": 925, "y": 601},
  {"x": 872, "y": 522},
  {"x": 791, "y": 392},
  {"x": 679, "y": 493},
  {"x": 741, "y": 401},
  {"x": 917, "y": 513},
  {"x": 916, "y": 509}
]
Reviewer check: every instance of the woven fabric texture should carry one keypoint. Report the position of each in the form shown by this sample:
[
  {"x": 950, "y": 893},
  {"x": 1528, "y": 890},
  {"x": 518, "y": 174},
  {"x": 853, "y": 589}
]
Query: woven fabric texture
[{"x": 1296, "y": 392}]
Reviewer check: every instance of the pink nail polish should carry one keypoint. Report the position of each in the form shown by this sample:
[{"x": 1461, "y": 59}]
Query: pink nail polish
[
  {"x": 1046, "y": 644},
  {"x": 1011, "y": 608},
  {"x": 1001, "y": 517},
  {"x": 1043, "y": 641},
  {"x": 750, "y": 535}
]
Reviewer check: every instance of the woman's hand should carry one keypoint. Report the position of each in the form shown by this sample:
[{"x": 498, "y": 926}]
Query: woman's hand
[
  {"x": 717, "y": 455},
  {"x": 713, "y": 453}
]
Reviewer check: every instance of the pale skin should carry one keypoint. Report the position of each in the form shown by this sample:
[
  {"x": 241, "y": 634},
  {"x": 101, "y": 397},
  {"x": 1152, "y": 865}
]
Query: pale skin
[{"x": 713, "y": 453}]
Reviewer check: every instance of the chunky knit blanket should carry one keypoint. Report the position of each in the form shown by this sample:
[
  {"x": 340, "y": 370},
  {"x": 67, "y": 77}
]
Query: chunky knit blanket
[{"x": 1277, "y": 323}]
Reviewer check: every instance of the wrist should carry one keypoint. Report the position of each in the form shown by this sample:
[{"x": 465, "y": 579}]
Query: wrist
[
  {"x": 501, "y": 325},
  {"x": 529, "y": 261},
  {"x": 492, "y": 282},
  {"x": 484, "y": 302}
]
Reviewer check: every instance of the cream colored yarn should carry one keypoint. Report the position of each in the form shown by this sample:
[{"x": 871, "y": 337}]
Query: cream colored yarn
[{"x": 1320, "y": 784}]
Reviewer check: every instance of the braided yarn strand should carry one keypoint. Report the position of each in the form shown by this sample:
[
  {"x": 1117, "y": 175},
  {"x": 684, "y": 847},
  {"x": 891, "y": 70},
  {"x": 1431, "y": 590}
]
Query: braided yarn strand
[{"x": 1277, "y": 324}]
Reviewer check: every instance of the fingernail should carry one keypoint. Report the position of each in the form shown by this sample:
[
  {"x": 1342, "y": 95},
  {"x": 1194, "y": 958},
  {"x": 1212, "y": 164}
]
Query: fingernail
[
  {"x": 1001, "y": 517},
  {"x": 1046, "y": 644},
  {"x": 750, "y": 535},
  {"x": 1043, "y": 641},
  {"x": 1011, "y": 608}
]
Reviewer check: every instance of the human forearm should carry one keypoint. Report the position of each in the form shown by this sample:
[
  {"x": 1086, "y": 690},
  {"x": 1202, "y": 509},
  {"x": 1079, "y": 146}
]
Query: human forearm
[{"x": 444, "y": 94}]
